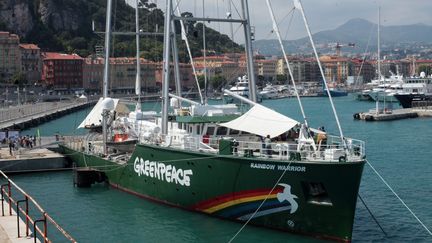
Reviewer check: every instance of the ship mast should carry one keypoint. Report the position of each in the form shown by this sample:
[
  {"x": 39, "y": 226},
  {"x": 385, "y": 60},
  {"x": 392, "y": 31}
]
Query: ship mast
[
  {"x": 107, "y": 49},
  {"x": 169, "y": 17},
  {"x": 276, "y": 30},
  {"x": 106, "y": 72},
  {"x": 138, "y": 59},
  {"x": 249, "y": 52},
  {"x": 166, "y": 66},
  {"x": 379, "y": 45},
  {"x": 298, "y": 5}
]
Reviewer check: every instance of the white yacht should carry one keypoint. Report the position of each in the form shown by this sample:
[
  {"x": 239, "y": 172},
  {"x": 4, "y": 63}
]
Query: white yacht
[{"x": 269, "y": 92}]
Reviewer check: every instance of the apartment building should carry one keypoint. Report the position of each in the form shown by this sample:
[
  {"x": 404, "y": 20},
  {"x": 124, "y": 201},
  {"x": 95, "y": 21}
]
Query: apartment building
[
  {"x": 62, "y": 72},
  {"x": 10, "y": 56},
  {"x": 31, "y": 62}
]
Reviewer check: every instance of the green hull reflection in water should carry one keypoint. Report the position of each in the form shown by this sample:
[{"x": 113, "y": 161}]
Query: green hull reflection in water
[{"x": 312, "y": 198}]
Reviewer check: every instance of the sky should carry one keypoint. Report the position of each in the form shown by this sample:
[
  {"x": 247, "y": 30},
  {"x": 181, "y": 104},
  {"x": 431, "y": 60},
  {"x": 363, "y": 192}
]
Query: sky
[{"x": 321, "y": 14}]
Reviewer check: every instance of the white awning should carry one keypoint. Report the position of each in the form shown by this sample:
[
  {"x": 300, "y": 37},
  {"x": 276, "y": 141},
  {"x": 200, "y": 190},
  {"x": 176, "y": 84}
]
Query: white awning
[
  {"x": 262, "y": 121},
  {"x": 94, "y": 118}
]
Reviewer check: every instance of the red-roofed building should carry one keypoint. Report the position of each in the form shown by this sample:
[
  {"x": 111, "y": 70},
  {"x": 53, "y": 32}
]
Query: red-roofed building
[
  {"x": 10, "y": 56},
  {"x": 187, "y": 79},
  {"x": 62, "y": 72},
  {"x": 31, "y": 62}
]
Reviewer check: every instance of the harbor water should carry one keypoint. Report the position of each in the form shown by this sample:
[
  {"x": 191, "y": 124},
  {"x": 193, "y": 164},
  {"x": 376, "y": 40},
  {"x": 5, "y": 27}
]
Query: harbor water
[{"x": 399, "y": 150}]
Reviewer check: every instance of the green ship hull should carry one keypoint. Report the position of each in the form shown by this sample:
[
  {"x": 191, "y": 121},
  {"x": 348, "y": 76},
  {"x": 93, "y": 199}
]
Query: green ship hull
[{"x": 312, "y": 198}]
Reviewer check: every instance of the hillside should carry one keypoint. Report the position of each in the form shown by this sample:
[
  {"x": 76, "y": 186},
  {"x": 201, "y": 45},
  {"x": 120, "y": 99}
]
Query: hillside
[
  {"x": 356, "y": 31},
  {"x": 65, "y": 25}
]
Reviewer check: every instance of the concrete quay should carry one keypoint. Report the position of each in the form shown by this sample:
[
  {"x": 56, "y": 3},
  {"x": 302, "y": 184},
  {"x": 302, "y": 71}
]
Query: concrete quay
[
  {"x": 35, "y": 159},
  {"x": 389, "y": 115},
  {"x": 24, "y": 116},
  {"x": 9, "y": 228}
]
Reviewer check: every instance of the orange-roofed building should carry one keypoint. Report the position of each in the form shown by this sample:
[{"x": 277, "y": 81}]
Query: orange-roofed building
[
  {"x": 62, "y": 72},
  {"x": 336, "y": 69}
]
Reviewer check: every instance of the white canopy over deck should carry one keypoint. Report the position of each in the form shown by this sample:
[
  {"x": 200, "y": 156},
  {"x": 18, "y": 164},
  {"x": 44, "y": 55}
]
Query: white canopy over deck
[
  {"x": 94, "y": 118},
  {"x": 262, "y": 121}
]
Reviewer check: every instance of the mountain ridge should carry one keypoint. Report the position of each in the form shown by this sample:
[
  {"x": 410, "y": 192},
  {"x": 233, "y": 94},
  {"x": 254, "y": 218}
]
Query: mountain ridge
[
  {"x": 365, "y": 31},
  {"x": 66, "y": 26}
]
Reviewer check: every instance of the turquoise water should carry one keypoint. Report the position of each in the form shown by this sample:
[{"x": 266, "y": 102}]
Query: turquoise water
[{"x": 399, "y": 150}]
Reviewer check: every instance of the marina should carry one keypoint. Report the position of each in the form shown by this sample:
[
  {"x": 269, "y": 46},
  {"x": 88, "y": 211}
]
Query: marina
[
  {"x": 97, "y": 203},
  {"x": 284, "y": 162}
]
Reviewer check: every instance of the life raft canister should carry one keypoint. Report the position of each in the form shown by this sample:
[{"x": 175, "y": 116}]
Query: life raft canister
[
  {"x": 206, "y": 139},
  {"x": 120, "y": 137}
]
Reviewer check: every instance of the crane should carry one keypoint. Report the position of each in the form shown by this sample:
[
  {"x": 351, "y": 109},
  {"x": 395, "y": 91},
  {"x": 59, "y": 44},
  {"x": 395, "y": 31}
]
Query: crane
[{"x": 338, "y": 46}]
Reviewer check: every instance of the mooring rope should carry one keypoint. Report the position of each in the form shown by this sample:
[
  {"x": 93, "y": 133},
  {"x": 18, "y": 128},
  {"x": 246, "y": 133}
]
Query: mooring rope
[
  {"x": 262, "y": 203},
  {"x": 400, "y": 199},
  {"x": 371, "y": 214}
]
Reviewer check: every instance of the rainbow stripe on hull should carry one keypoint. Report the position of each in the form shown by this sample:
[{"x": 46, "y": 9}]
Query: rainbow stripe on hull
[{"x": 242, "y": 205}]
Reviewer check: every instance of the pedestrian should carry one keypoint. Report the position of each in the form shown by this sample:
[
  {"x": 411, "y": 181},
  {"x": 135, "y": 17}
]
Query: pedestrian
[
  {"x": 267, "y": 142},
  {"x": 11, "y": 147}
]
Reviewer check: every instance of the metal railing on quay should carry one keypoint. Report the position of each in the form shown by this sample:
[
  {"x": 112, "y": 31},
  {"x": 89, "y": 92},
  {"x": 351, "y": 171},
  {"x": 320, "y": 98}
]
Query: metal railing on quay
[
  {"x": 45, "y": 219},
  {"x": 21, "y": 111}
]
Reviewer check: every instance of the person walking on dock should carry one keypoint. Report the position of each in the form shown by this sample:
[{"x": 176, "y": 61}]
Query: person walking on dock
[{"x": 11, "y": 146}]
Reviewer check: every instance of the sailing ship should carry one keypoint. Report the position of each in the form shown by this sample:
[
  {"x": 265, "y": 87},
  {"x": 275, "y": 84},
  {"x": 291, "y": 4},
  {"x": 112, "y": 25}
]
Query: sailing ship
[{"x": 259, "y": 167}]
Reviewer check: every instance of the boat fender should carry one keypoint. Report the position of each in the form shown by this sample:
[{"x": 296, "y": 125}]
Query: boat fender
[
  {"x": 357, "y": 116},
  {"x": 342, "y": 159}
]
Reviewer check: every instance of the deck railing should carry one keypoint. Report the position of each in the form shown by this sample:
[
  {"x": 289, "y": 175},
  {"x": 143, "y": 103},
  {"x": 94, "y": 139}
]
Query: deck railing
[
  {"x": 330, "y": 149},
  {"x": 22, "y": 207}
]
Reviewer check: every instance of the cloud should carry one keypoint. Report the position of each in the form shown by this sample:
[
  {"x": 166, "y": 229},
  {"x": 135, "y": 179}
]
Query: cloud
[{"x": 322, "y": 15}]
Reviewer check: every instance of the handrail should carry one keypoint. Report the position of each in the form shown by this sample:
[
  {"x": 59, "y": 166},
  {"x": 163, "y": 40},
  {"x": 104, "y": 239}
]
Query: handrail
[
  {"x": 329, "y": 150},
  {"x": 28, "y": 198}
]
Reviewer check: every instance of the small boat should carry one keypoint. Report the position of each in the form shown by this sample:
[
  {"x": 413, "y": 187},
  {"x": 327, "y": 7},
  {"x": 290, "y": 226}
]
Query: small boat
[
  {"x": 269, "y": 92},
  {"x": 363, "y": 95},
  {"x": 335, "y": 92},
  {"x": 241, "y": 88}
]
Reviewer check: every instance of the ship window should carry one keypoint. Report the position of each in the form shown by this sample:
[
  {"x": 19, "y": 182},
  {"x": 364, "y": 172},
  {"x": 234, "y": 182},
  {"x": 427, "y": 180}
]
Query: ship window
[
  {"x": 210, "y": 130},
  {"x": 316, "y": 193},
  {"x": 221, "y": 131},
  {"x": 234, "y": 132},
  {"x": 198, "y": 129}
]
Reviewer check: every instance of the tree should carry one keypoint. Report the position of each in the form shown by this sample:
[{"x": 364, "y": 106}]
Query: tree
[
  {"x": 425, "y": 68},
  {"x": 201, "y": 80},
  {"x": 217, "y": 81},
  {"x": 261, "y": 80},
  {"x": 281, "y": 77},
  {"x": 19, "y": 79}
]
